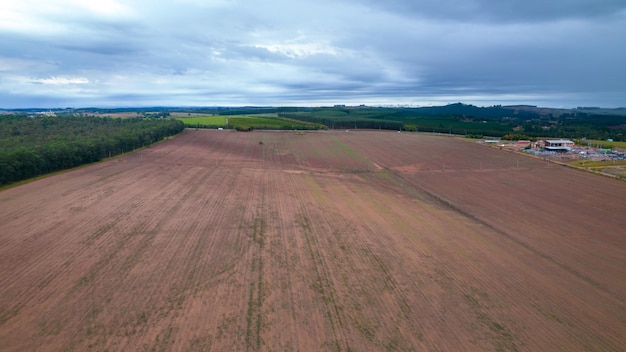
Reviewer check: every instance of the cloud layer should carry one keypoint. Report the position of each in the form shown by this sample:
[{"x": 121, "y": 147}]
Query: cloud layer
[{"x": 239, "y": 52}]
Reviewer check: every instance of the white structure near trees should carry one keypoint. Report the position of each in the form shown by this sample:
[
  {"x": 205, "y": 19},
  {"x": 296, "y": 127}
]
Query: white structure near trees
[{"x": 558, "y": 145}]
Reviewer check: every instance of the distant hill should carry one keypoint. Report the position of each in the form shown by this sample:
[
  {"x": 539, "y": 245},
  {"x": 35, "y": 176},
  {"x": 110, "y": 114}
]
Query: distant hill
[{"x": 556, "y": 112}]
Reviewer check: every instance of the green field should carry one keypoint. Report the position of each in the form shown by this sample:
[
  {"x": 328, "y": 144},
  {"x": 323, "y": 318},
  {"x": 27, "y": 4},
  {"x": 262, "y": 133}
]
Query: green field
[
  {"x": 204, "y": 121},
  {"x": 269, "y": 121},
  {"x": 615, "y": 168},
  {"x": 587, "y": 163},
  {"x": 603, "y": 144},
  {"x": 248, "y": 122}
]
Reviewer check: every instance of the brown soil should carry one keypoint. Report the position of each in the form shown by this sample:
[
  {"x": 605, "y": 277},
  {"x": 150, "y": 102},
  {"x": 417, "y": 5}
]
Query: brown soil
[{"x": 328, "y": 241}]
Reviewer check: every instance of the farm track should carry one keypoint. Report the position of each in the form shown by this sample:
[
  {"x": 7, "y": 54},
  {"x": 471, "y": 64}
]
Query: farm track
[
  {"x": 367, "y": 241},
  {"x": 447, "y": 204}
]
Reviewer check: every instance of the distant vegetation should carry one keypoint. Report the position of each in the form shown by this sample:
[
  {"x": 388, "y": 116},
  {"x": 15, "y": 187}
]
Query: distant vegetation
[
  {"x": 38, "y": 144},
  {"x": 31, "y": 146},
  {"x": 461, "y": 119},
  {"x": 204, "y": 121},
  {"x": 464, "y": 119},
  {"x": 603, "y": 144},
  {"x": 270, "y": 121},
  {"x": 517, "y": 137},
  {"x": 249, "y": 122}
]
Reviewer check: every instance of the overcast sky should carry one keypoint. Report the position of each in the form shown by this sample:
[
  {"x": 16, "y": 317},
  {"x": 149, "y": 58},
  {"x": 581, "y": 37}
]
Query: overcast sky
[{"x": 110, "y": 53}]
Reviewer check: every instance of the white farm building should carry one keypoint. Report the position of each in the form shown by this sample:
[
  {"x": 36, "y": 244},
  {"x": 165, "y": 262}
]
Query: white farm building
[{"x": 558, "y": 145}]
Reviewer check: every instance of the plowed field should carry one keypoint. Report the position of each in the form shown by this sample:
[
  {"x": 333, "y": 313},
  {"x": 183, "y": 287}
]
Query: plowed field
[{"x": 328, "y": 241}]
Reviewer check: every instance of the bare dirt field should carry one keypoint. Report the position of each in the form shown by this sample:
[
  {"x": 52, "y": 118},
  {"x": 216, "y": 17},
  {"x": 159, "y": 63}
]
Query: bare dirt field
[{"x": 327, "y": 241}]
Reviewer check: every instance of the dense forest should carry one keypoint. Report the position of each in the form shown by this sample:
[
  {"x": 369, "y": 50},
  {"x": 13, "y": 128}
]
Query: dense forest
[{"x": 31, "y": 146}]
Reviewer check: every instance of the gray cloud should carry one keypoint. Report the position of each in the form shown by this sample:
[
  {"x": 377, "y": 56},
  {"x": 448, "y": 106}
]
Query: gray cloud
[
  {"x": 563, "y": 53},
  {"x": 503, "y": 11}
]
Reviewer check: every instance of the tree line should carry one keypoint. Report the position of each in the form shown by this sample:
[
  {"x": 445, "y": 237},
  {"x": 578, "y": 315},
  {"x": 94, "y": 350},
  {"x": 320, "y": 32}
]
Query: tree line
[
  {"x": 32, "y": 146},
  {"x": 466, "y": 120}
]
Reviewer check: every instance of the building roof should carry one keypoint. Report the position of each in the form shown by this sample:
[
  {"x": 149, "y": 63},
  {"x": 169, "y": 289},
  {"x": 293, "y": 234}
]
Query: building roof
[
  {"x": 561, "y": 141},
  {"x": 557, "y": 148}
]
